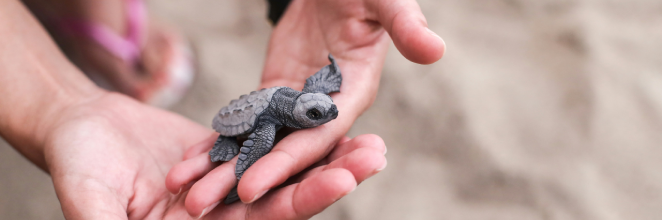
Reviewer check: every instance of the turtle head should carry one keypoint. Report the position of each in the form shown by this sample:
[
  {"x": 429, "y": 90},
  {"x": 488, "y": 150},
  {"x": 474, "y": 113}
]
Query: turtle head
[{"x": 314, "y": 109}]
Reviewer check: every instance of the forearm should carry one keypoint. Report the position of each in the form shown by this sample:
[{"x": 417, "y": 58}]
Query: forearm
[{"x": 37, "y": 82}]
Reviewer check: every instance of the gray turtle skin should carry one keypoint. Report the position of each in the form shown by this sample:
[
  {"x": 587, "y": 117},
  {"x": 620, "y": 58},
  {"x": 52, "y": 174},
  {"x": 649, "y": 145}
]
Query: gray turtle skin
[{"x": 258, "y": 115}]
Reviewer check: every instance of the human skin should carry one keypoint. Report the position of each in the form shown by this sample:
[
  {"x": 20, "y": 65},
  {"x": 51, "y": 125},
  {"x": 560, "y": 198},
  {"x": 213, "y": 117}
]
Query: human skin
[
  {"x": 109, "y": 155},
  {"x": 357, "y": 33}
]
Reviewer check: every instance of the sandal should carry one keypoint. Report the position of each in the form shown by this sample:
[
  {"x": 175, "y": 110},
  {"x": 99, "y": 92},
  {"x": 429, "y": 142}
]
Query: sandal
[{"x": 133, "y": 71}]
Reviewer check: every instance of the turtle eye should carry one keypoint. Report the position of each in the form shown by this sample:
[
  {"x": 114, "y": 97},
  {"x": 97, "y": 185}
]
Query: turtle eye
[{"x": 314, "y": 114}]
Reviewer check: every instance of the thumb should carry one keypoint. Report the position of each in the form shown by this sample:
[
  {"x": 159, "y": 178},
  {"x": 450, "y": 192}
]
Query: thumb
[{"x": 406, "y": 25}]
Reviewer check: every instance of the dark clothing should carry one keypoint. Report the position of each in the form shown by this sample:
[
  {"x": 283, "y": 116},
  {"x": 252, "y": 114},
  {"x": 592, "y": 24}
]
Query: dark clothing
[{"x": 277, "y": 9}]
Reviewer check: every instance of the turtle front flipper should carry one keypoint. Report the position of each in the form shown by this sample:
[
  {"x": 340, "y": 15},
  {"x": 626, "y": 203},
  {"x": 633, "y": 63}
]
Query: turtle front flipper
[
  {"x": 224, "y": 149},
  {"x": 259, "y": 143},
  {"x": 325, "y": 81}
]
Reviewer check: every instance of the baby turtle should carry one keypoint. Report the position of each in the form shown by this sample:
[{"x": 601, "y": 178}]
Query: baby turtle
[{"x": 258, "y": 115}]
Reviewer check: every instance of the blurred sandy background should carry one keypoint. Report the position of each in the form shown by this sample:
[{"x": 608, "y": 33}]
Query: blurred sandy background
[{"x": 541, "y": 109}]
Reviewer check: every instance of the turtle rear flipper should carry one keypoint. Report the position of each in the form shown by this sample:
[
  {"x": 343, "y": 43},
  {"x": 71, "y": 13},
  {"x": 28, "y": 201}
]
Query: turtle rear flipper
[
  {"x": 224, "y": 149},
  {"x": 232, "y": 196},
  {"x": 325, "y": 81}
]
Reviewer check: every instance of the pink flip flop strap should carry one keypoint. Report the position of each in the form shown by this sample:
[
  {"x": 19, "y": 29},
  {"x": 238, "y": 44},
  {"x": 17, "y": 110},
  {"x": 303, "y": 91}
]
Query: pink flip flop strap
[{"x": 126, "y": 47}]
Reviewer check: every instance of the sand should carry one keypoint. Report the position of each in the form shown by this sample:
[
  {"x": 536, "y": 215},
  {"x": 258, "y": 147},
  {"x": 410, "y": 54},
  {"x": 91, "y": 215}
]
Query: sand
[{"x": 547, "y": 109}]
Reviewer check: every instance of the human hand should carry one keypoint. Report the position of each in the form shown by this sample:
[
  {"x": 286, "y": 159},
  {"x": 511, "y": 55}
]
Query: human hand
[
  {"x": 357, "y": 33},
  {"x": 109, "y": 157}
]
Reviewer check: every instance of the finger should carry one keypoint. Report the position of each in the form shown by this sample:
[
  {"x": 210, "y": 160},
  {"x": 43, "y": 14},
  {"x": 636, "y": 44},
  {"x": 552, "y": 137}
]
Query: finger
[
  {"x": 181, "y": 175},
  {"x": 290, "y": 156},
  {"x": 408, "y": 28},
  {"x": 201, "y": 147},
  {"x": 361, "y": 141},
  {"x": 309, "y": 197},
  {"x": 326, "y": 161},
  {"x": 362, "y": 163},
  {"x": 347, "y": 145},
  {"x": 207, "y": 192},
  {"x": 302, "y": 200},
  {"x": 344, "y": 139}
]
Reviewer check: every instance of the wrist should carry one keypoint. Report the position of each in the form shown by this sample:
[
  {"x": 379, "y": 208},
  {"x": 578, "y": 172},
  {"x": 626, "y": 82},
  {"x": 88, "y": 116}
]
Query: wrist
[
  {"x": 29, "y": 119},
  {"x": 63, "y": 107}
]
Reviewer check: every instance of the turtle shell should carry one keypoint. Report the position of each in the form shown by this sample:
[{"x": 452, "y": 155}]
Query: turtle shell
[{"x": 240, "y": 116}]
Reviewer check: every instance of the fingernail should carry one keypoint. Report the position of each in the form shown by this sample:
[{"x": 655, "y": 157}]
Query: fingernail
[
  {"x": 258, "y": 196},
  {"x": 182, "y": 188},
  {"x": 355, "y": 186},
  {"x": 383, "y": 166},
  {"x": 385, "y": 150},
  {"x": 207, "y": 210},
  {"x": 433, "y": 34}
]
